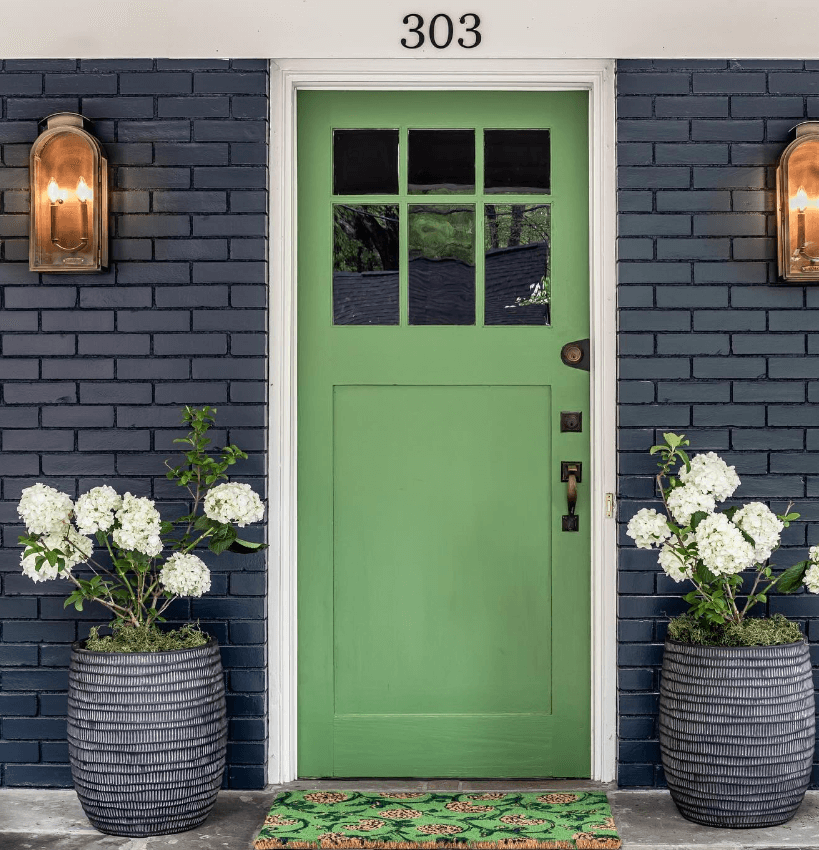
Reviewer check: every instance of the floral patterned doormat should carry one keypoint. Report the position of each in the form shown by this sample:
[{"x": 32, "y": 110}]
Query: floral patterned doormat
[{"x": 429, "y": 821}]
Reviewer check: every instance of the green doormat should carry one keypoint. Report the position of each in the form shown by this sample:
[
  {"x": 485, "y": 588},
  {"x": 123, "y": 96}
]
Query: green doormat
[{"x": 494, "y": 819}]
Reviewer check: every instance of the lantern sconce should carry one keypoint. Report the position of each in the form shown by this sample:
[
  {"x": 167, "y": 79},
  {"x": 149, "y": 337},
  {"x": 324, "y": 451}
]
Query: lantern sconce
[
  {"x": 797, "y": 206},
  {"x": 69, "y": 198}
]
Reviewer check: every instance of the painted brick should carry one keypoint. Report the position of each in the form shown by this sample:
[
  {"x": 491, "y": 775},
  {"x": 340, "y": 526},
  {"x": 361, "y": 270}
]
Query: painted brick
[
  {"x": 767, "y": 107},
  {"x": 728, "y": 82},
  {"x": 153, "y": 178},
  {"x": 653, "y": 83},
  {"x": 229, "y": 131},
  {"x": 193, "y": 107},
  {"x": 693, "y": 201},
  {"x": 155, "y": 83},
  {"x": 801, "y": 83},
  {"x": 691, "y": 107},
  {"x": 705, "y": 130},
  {"x": 86, "y": 359},
  {"x": 694, "y": 153},
  {"x": 636, "y": 154}
]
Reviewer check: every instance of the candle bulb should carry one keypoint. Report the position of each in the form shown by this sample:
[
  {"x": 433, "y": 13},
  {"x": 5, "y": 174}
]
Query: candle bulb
[
  {"x": 53, "y": 192},
  {"x": 84, "y": 195},
  {"x": 801, "y": 204}
]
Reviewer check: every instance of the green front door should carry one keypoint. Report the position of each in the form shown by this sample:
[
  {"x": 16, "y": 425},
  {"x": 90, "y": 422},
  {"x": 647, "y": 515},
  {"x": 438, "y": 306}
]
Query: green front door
[{"x": 443, "y": 612}]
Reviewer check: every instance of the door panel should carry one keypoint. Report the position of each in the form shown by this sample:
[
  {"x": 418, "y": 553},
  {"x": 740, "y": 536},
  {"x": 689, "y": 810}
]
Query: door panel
[
  {"x": 423, "y": 549},
  {"x": 443, "y": 613}
]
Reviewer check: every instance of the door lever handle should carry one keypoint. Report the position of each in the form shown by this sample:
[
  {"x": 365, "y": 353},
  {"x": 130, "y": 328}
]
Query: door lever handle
[{"x": 571, "y": 473}]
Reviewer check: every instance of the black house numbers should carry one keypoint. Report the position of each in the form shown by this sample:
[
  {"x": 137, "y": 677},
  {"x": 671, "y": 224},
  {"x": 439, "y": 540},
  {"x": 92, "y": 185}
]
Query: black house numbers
[{"x": 440, "y": 31}]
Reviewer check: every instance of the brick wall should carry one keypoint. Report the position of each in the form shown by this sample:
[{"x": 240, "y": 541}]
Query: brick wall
[
  {"x": 94, "y": 368},
  {"x": 709, "y": 344}
]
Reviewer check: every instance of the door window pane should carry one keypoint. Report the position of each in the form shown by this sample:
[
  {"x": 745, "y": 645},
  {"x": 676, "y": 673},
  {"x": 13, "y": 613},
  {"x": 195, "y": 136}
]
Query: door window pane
[
  {"x": 442, "y": 265},
  {"x": 517, "y": 238},
  {"x": 516, "y": 161},
  {"x": 365, "y": 264},
  {"x": 365, "y": 162},
  {"x": 441, "y": 161}
]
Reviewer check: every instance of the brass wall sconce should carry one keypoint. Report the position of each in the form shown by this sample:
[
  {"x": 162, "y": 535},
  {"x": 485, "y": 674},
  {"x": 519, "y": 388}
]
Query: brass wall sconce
[
  {"x": 69, "y": 198},
  {"x": 797, "y": 206}
]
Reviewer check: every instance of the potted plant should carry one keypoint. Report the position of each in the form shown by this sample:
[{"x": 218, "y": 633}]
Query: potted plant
[
  {"x": 737, "y": 712},
  {"x": 147, "y": 727}
]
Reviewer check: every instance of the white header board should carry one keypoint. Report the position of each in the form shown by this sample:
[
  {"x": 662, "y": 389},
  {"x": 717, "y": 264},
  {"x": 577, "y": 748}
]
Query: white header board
[{"x": 374, "y": 29}]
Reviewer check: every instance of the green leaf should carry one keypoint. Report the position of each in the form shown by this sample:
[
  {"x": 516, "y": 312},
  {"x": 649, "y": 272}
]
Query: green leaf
[
  {"x": 791, "y": 580},
  {"x": 222, "y": 539},
  {"x": 246, "y": 547},
  {"x": 673, "y": 440},
  {"x": 748, "y": 537},
  {"x": 697, "y": 518}
]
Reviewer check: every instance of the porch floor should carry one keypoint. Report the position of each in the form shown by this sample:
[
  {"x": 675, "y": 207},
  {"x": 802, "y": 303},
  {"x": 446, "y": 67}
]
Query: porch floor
[{"x": 647, "y": 820}]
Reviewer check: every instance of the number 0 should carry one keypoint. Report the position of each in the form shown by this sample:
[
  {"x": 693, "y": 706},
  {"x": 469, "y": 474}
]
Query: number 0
[{"x": 449, "y": 31}]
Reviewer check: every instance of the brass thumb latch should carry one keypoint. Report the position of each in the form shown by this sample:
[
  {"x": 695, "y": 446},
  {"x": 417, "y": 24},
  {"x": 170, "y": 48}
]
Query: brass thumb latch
[{"x": 571, "y": 473}]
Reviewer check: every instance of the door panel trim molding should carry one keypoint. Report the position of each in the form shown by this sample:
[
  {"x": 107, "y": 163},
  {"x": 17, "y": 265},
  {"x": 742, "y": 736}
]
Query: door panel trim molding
[{"x": 287, "y": 77}]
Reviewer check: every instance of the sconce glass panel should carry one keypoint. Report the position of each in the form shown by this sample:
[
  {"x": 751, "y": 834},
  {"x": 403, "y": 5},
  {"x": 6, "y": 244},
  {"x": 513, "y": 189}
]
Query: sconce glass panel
[
  {"x": 797, "y": 180},
  {"x": 69, "y": 198}
]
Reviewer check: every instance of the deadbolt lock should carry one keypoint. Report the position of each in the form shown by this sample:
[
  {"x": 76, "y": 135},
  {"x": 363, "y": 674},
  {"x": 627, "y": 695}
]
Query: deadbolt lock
[
  {"x": 571, "y": 421},
  {"x": 576, "y": 354}
]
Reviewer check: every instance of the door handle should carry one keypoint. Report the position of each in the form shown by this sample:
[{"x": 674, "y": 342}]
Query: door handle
[{"x": 571, "y": 473}]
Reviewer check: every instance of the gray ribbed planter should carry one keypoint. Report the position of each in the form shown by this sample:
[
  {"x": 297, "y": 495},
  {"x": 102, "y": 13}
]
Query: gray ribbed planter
[
  {"x": 737, "y": 731},
  {"x": 147, "y": 734}
]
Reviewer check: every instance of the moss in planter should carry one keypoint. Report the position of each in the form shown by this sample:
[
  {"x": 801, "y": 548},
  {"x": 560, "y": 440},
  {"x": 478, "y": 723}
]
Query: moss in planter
[
  {"x": 151, "y": 639},
  {"x": 754, "y": 631}
]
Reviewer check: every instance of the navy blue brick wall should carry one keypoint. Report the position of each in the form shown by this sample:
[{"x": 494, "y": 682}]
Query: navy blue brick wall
[
  {"x": 94, "y": 368},
  {"x": 710, "y": 344}
]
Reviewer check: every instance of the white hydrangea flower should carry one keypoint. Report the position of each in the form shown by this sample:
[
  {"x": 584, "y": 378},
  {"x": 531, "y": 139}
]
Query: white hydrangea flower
[
  {"x": 685, "y": 501},
  {"x": 761, "y": 523},
  {"x": 45, "y": 510},
  {"x": 95, "y": 509},
  {"x": 230, "y": 502},
  {"x": 813, "y": 554},
  {"x": 138, "y": 526},
  {"x": 647, "y": 528},
  {"x": 185, "y": 575},
  {"x": 673, "y": 564},
  {"x": 722, "y": 547},
  {"x": 812, "y": 577},
  {"x": 75, "y": 549},
  {"x": 709, "y": 473}
]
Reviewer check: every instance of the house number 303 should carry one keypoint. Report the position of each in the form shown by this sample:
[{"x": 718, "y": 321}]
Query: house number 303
[{"x": 441, "y": 30}]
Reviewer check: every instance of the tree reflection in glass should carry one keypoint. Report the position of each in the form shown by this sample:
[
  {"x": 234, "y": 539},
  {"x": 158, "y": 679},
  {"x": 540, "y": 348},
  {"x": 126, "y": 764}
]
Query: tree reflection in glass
[
  {"x": 442, "y": 265},
  {"x": 518, "y": 285},
  {"x": 365, "y": 264}
]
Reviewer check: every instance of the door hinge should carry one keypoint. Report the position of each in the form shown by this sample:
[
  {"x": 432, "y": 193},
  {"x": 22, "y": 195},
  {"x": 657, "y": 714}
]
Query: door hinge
[{"x": 610, "y": 500}]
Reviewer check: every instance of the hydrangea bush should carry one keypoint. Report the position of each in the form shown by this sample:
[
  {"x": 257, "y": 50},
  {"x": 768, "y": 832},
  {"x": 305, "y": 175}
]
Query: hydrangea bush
[
  {"x": 711, "y": 547},
  {"x": 141, "y": 563}
]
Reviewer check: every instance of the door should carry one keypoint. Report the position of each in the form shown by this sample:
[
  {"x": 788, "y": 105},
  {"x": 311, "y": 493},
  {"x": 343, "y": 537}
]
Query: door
[{"x": 443, "y": 264}]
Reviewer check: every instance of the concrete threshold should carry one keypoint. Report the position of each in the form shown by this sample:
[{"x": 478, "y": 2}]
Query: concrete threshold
[{"x": 39, "y": 819}]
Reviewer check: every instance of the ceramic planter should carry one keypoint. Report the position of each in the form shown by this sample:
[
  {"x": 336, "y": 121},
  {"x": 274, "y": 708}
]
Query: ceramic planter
[
  {"x": 147, "y": 734},
  {"x": 737, "y": 731}
]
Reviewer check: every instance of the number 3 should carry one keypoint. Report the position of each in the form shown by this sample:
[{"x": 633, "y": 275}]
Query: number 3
[
  {"x": 416, "y": 29},
  {"x": 476, "y": 22}
]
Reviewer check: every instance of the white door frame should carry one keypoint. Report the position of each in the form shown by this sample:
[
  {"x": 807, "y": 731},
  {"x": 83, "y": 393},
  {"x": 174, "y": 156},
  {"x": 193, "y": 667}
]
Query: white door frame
[{"x": 287, "y": 77}]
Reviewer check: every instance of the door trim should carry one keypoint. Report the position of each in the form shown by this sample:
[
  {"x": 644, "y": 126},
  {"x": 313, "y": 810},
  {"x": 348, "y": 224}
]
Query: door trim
[{"x": 287, "y": 77}]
